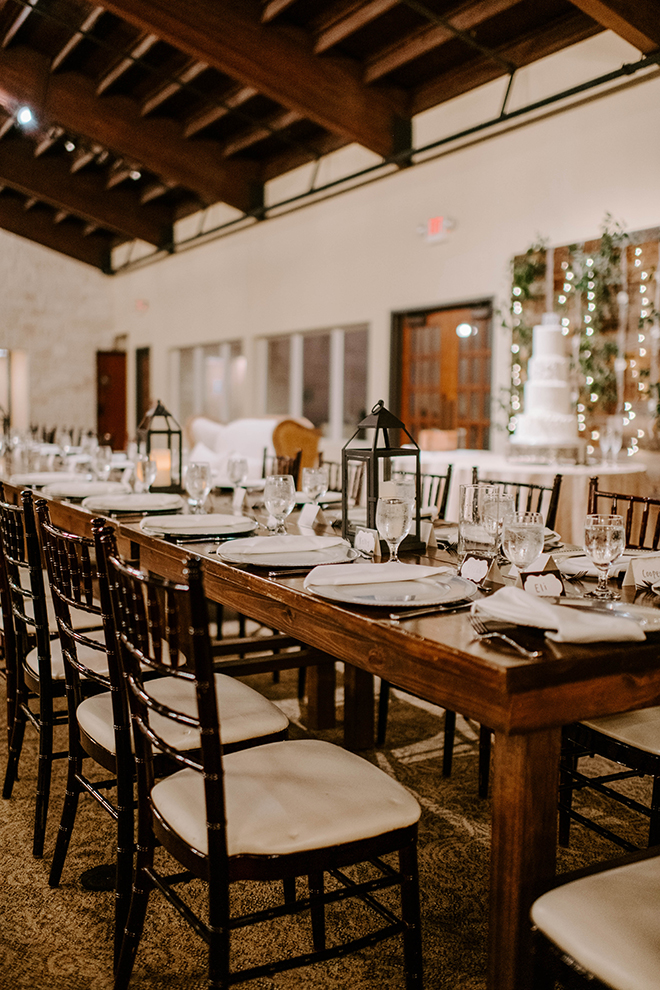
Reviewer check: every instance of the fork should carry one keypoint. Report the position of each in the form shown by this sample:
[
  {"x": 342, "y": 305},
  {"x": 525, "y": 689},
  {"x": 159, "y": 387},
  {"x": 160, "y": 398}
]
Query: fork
[{"x": 483, "y": 632}]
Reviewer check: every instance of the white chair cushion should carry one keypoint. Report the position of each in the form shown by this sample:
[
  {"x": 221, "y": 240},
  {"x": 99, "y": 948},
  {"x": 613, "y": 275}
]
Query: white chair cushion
[
  {"x": 640, "y": 729},
  {"x": 287, "y": 797},
  {"x": 608, "y": 923},
  {"x": 94, "y": 659},
  {"x": 244, "y": 713}
]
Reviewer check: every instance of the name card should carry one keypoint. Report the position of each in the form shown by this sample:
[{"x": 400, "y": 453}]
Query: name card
[
  {"x": 310, "y": 513},
  {"x": 427, "y": 533},
  {"x": 542, "y": 578},
  {"x": 368, "y": 541},
  {"x": 239, "y": 499},
  {"x": 642, "y": 572}
]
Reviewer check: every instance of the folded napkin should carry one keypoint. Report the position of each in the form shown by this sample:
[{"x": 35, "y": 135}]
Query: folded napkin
[
  {"x": 132, "y": 502},
  {"x": 192, "y": 523},
  {"x": 563, "y": 623},
  {"x": 285, "y": 544},
  {"x": 372, "y": 573}
]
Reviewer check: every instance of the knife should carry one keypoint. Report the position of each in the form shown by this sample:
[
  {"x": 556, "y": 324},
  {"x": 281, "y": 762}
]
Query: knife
[{"x": 416, "y": 613}]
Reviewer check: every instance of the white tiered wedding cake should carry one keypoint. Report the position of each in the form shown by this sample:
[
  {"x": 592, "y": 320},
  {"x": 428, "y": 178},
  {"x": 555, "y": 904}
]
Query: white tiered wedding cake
[{"x": 549, "y": 418}]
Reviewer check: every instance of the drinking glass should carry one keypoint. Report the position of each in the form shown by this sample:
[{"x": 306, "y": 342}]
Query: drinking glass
[
  {"x": 393, "y": 520},
  {"x": 497, "y": 509},
  {"x": 522, "y": 538},
  {"x": 314, "y": 483},
  {"x": 476, "y": 532},
  {"x": 146, "y": 470},
  {"x": 237, "y": 470},
  {"x": 279, "y": 498},
  {"x": 604, "y": 542},
  {"x": 102, "y": 462},
  {"x": 198, "y": 484}
]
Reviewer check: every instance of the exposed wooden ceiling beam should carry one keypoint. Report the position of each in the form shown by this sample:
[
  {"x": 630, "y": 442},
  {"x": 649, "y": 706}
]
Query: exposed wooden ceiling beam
[
  {"x": 465, "y": 18},
  {"x": 280, "y": 64},
  {"x": 37, "y": 225},
  {"x": 636, "y": 21},
  {"x": 271, "y": 8},
  {"x": 165, "y": 90},
  {"x": 122, "y": 65},
  {"x": 253, "y": 135},
  {"x": 343, "y": 20},
  {"x": 20, "y": 18},
  {"x": 209, "y": 115},
  {"x": 84, "y": 195},
  {"x": 75, "y": 39},
  {"x": 115, "y": 122},
  {"x": 523, "y": 51},
  {"x": 47, "y": 140}
]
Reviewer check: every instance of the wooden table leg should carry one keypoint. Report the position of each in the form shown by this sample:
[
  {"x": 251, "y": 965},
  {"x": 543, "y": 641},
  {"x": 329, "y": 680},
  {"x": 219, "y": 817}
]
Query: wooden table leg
[
  {"x": 321, "y": 681},
  {"x": 523, "y": 849},
  {"x": 358, "y": 708}
]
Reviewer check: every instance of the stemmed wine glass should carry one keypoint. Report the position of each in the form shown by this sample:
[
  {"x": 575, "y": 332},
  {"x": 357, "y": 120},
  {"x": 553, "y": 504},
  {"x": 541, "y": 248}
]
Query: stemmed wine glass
[
  {"x": 522, "y": 538},
  {"x": 314, "y": 483},
  {"x": 279, "y": 498},
  {"x": 198, "y": 484},
  {"x": 604, "y": 542},
  {"x": 102, "y": 462},
  {"x": 237, "y": 470},
  {"x": 146, "y": 470},
  {"x": 393, "y": 520}
]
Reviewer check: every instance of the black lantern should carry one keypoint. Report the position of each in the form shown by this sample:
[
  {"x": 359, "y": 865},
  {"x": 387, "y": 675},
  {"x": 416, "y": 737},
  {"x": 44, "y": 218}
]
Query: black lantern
[
  {"x": 381, "y": 463},
  {"x": 159, "y": 436}
]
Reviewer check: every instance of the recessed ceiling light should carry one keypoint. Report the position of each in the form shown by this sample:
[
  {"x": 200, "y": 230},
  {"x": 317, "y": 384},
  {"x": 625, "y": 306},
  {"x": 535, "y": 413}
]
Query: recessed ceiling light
[{"x": 25, "y": 116}]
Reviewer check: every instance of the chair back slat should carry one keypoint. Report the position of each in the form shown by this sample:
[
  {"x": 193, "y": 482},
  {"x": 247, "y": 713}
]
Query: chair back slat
[
  {"x": 529, "y": 496},
  {"x": 641, "y": 515}
]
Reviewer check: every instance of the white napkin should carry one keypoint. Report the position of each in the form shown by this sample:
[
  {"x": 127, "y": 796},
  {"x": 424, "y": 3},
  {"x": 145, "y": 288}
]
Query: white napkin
[
  {"x": 563, "y": 623},
  {"x": 285, "y": 544},
  {"x": 583, "y": 564},
  {"x": 132, "y": 501},
  {"x": 192, "y": 523},
  {"x": 372, "y": 573}
]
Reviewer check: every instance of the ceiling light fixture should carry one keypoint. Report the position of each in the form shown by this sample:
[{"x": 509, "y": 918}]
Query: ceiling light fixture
[{"x": 25, "y": 117}]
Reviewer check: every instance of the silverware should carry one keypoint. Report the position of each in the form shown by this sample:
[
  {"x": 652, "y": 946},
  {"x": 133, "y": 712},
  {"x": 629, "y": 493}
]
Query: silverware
[
  {"x": 416, "y": 613},
  {"x": 289, "y": 571},
  {"x": 483, "y": 632}
]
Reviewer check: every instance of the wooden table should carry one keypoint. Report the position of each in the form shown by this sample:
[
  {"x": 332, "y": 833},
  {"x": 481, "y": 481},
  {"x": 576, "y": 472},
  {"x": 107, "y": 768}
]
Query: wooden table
[{"x": 524, "y": 701}]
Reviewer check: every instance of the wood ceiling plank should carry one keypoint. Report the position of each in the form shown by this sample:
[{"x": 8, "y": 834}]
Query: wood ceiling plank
[
  {"x": 168, "y": 89},
  {"x": 271, "y": 8},
  {"x": 229, "y": 36},
  {"x": 122, "y": 65},
  {"x": 636, "y": 21},
  {"x": 343, "y": 20},
  {"x": 522, "y": 51},
  {"x": 77, "y": 36},
  {"x": 204, "y": 118},
  {"x": 252, "y": 136},
  {"x": 84, "y": 195},
  {"x": 37, "y": 225},
  {"x": 465, "y": 18},
  {"x": 116, "y": 123},
  {"x": 18, "y": 21}
]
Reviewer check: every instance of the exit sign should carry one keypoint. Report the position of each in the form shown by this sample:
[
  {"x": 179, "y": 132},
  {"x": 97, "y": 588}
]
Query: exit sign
[{"x": 436, "y": 228}]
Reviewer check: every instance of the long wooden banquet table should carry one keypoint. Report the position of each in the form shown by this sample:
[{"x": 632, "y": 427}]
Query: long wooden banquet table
[{"x": 525, "y": 702}]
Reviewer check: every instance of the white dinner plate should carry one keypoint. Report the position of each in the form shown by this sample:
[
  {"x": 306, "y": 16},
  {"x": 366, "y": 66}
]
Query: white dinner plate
[
  {"x": 440, "y": 591},
  {"x": 213, "y": 524},
  {"x": 83, "y": 489},
  {"x": 232, "y": 554},
  {"x": 648, "y": 618},
  {"x": 37, "y": 479},
  {"x": 133, "y": 502}
]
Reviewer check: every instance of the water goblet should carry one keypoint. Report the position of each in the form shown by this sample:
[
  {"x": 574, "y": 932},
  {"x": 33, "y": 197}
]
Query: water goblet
[
  {"x": 279, "y": 498},
  {"x": 146, "y": 470},
  {"x": 604, "y": 542},
  {"x": 198, "y": 484},
  {"x": 314, "y": 483},
  {"x": 393, "y": 520},
  {"x": 237, "y": 470},
  {"x": 522, "y": 538},
  {"x": 102, "y": 462}
]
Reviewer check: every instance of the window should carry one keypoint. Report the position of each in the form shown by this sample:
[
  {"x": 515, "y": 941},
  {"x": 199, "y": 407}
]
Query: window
[
  {"x": 321, "y": 375},
  {"x": 211, "y": 381}
]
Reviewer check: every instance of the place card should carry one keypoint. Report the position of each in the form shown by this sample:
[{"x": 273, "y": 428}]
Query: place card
[
  {"x": 475, "y": 567},
  {"x": 427, "y": 533},
  {"x": 542, "y": 578},
  {"x": 239, "y": 499},
  {"x": 642, "y": 572},
  {"x": 310, "y": 514},
  {"x": 368, "y": 541}
]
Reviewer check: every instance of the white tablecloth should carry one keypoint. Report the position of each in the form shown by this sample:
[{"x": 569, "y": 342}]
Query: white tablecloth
[{"x": 624, "y": 476}]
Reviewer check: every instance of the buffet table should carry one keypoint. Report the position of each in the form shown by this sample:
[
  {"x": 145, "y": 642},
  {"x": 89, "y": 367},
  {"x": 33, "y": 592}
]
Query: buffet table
[
  {"x": 624, "y": 477},
  {"x": 437, "y": 658}
]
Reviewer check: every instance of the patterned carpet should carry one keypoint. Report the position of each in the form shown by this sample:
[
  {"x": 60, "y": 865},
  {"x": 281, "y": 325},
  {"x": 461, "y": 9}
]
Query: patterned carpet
[{"x": 61, "y": 939}]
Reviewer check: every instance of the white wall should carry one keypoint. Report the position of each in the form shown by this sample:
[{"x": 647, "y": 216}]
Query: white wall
[{"x": 58, "y": 312}]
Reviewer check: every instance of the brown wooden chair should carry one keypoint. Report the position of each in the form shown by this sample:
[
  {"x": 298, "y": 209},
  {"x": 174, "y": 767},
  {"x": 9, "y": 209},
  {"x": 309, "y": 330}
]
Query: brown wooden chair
[
  {"x": 273, "y": 812},
  {"x": 276, "y": 464},
  {"x": 335, "y": 481},
  {"x": 631, "y": 739},
  {"x": 290, "y": 436},
  {"x": 99, "y": 725}
]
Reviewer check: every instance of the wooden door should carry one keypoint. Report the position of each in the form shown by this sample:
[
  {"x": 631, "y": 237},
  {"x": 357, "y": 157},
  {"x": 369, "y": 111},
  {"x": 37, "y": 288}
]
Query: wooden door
[
  {"x": 442, "y": 379},
  {"x": 111, "y": 398},
  {"x": 142, "y": 383}
]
